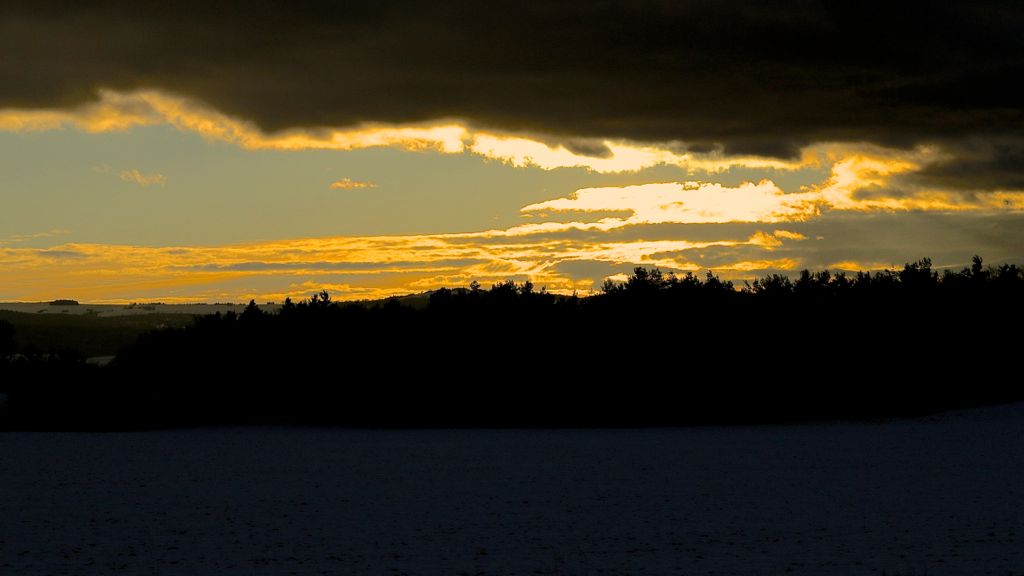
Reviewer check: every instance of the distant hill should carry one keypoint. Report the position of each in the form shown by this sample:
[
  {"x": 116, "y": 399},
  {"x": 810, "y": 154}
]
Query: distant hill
[
  {"x": 72, "y": 307},
  {"x": 84, "y": 335}
]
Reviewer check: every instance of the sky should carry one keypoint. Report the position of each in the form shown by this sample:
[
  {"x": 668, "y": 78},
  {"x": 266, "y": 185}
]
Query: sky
[{"x": 184, "y": 152}]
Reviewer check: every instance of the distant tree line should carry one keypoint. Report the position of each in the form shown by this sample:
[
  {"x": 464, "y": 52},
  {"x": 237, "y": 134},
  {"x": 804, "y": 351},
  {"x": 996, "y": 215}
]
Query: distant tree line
[{"x": 656, "y": 349}]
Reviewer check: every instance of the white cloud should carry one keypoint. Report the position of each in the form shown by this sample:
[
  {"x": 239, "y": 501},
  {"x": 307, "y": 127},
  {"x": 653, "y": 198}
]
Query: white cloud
[{"x": 687, "y": 202}]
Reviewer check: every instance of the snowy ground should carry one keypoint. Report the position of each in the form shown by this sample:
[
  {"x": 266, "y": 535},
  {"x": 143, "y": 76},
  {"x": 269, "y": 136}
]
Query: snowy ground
[{"x": 937, "y": 496}]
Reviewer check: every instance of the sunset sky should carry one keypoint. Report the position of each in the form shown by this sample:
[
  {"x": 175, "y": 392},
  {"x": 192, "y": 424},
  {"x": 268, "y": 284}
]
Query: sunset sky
[{"x": 221, "y": 151}]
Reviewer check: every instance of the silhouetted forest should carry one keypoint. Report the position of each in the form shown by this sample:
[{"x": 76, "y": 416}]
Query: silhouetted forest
[{"x": 657, "y": 349}]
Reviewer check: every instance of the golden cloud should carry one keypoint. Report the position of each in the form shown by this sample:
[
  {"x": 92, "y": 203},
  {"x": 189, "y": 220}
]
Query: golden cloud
[
  {"x": 376, "y": 266},
  {"x": 853, "y": 170},
  {"x": 350, "y": 184},
  {"x": 689, "y": 202},
  {"x": 141, "y": 179}
]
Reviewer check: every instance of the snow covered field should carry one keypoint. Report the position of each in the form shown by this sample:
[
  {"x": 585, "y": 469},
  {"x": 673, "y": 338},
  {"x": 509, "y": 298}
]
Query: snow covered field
[{"x": 938, "y": 496}]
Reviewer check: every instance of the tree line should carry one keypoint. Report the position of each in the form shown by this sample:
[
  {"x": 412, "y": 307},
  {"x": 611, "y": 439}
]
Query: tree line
[{"x": 655, "y": 349}]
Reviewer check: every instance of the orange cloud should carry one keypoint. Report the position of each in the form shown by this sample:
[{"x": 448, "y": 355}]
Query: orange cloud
[
  {"x": 371, "y": 266},
  {"x": 374, "y": 266}
]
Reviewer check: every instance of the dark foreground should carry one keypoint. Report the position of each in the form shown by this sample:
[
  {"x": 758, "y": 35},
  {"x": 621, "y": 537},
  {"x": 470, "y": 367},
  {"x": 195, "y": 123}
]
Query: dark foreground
[
  {"x": 655, "y": 351},
  {"x": 934, "y": 496}
]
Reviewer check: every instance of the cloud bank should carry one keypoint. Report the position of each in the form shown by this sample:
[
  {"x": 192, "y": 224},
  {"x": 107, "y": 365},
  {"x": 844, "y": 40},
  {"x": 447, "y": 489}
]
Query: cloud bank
[{"x": 740, "y": 77}]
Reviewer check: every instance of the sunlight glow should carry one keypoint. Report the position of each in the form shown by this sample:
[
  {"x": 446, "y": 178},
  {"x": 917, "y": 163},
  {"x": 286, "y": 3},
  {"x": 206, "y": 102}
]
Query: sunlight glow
[
  {"x": 377, "y": 265},
  {"x": 689, "y": 202},
  {"x": 862, "y": 178}
]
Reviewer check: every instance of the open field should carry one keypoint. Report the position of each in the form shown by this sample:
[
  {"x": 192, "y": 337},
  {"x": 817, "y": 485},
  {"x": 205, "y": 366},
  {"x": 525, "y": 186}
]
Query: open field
[{"x": 933, "y": 496}]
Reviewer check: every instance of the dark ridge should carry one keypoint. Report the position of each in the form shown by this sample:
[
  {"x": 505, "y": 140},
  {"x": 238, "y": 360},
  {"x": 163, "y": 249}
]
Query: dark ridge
[{"x": 656, "y": 350}]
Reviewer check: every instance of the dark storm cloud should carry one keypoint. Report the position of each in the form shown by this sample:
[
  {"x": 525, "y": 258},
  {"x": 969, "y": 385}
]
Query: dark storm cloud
[{"x": 754, "y": 76}]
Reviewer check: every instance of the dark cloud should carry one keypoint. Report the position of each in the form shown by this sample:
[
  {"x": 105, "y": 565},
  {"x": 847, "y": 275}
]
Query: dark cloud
[
  {"x": 876, "y": 192},
  {"x": 878, "y": 239},
  {"x": 977, "y": 166},
  {"x": 592, "y": 148},
  {"x": 712, "y": 257},
  {"x": 762, "y": 77},
  {"x": 896, "y": 238},
  {"x": 596, "y": 270}
]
